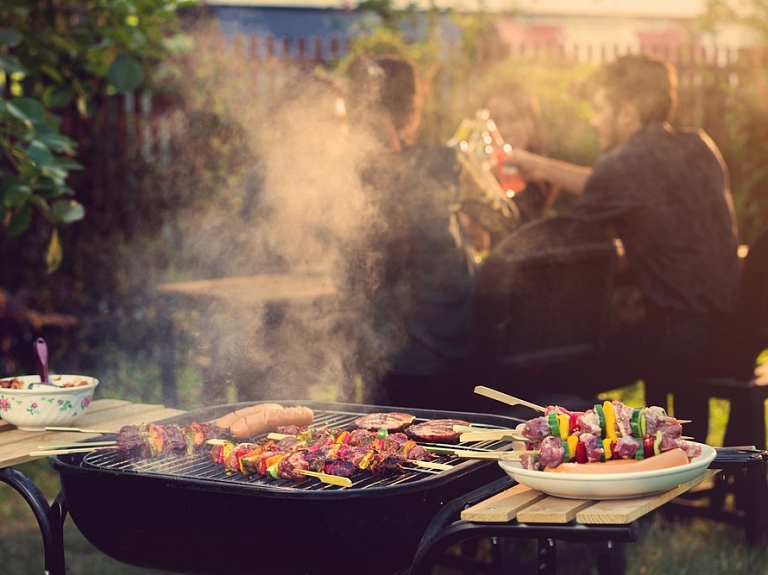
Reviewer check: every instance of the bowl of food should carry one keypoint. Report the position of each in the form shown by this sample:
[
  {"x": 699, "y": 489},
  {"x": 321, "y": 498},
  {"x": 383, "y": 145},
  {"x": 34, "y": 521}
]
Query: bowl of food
[{"x": 32, "y": 406}]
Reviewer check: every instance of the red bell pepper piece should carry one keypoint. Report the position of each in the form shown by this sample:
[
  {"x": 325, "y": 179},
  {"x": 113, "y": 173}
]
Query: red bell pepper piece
[{"x": 581, "y": 452}]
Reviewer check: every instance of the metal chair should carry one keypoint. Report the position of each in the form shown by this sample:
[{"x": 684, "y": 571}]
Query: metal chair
[{"x": 542, "y": 300}]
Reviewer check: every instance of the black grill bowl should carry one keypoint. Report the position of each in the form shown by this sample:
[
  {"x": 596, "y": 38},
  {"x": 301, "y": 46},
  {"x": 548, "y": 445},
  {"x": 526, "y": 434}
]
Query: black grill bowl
[{"x": 196, "y": 525}]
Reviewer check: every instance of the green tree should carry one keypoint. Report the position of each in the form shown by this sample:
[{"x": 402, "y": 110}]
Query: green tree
[
  {"x": 746, "y": 121},
  {"x": 55, "y": 54}
]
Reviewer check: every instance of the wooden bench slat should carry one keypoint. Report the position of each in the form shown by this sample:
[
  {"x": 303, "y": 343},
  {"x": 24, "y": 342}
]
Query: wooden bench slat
[
  {"x": 502, "y": 507},
  {"x": 531, "y": 506}
]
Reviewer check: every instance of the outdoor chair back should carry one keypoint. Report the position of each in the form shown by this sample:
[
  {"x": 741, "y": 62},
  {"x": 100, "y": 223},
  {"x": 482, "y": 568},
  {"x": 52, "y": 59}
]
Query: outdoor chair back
[{"x": 542, "y": 298}]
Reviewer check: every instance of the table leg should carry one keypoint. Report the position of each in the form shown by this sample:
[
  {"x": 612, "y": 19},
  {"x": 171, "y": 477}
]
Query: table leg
[
  {"x": 53, "y": 547},
  {"x": 167, "y": 355},
  {"x": 547, "y": 561}
]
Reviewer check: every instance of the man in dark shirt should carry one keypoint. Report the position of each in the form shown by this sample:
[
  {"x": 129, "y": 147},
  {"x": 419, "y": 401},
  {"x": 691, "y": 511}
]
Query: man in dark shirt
[{"x": 666, "y": 195}]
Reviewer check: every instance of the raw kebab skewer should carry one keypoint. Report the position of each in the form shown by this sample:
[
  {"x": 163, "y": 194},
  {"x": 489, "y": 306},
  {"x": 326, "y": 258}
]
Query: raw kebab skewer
[{"x": 611, "y": 430}]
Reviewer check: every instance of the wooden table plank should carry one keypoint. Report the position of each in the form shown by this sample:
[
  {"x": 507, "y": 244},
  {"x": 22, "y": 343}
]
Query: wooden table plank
[
  {"x": 553, "y": 510},
  {"x": 531, "y": 506},
  {"x": 256, "y": 290},
  {"x": 622, "y": 511},
  {"x": 15, "y": 445},
  {"x": 502, "y": 507},
  {"x": 98, "y": 405}
]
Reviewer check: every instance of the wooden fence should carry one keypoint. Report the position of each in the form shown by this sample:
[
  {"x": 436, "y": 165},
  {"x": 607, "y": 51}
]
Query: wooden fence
[
  {"x": 706, "y": 77},
  {"x": 150, "y": 129}
]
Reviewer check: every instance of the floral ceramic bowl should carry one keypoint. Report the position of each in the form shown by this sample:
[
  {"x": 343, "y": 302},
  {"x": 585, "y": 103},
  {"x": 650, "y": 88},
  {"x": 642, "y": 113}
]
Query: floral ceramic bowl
[{"x": 41, "y": 406}]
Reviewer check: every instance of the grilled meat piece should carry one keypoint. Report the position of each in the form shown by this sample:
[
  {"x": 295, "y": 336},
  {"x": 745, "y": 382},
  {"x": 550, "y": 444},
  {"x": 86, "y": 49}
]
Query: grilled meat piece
[
  {"x": 174, "y": 438},
  {"x": 386, "y": 464},
  {"x": 436, "y": 431},
  {"x": 292, "y": 462},
  {"x": 392, "y": 421}
]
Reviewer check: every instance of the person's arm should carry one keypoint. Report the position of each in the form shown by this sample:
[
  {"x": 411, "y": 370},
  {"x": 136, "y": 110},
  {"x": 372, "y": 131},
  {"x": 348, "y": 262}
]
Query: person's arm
[{"x": 535, "y": 168}]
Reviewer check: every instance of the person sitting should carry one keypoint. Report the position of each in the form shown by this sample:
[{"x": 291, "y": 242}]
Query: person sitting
[
  {"x": 413, "y": 267},
  {"x": 665, "y": 193},
  {"x": 516, "y": 111}
]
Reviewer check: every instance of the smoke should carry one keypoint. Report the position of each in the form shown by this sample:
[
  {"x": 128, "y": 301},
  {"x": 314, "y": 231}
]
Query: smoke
[{"x": 298, "y": 207}]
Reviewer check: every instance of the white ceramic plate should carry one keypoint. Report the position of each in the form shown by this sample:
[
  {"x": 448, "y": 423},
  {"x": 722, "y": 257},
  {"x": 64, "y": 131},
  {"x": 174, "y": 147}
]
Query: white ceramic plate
[{"x": 612, "y": 485}]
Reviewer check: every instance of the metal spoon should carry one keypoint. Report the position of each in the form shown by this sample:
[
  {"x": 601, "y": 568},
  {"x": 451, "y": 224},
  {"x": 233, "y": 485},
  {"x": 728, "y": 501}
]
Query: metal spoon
[{"x": 41, "y": 357}]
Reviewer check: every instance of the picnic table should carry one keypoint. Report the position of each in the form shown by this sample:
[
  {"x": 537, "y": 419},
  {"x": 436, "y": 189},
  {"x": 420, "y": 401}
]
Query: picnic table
[{"x": 270, "y": 292}]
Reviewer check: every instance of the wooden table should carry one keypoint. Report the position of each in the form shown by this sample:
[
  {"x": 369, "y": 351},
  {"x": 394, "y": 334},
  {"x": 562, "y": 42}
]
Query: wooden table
[
  {"x": 262, "y": 289},
  {"x": 506, "y": 509},
  {"x": 242, "y": 294},
  {"x": 15, "y": 448}
]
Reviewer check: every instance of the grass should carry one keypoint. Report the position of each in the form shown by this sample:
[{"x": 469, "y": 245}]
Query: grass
[{"x": 693, "y": 546}]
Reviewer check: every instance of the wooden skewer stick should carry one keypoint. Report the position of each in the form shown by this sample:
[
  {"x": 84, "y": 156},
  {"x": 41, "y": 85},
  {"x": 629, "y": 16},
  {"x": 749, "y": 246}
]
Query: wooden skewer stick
[
  {"x": 431, "y": 465},
  {"x": 500, "y": 435},
  {"x": 76, "y": 445},
  {"x": 80, "y": 430},
  {"x": 326, "y": 478},
  {"x": 476, "y": 429},
  {"x": 495, "y": 455},
  {"x": 46, "y": 452},
  {"x": 217, "y": 441},
  {"x": 441, "y": 450},
  {"x": 508, "y": 399}
]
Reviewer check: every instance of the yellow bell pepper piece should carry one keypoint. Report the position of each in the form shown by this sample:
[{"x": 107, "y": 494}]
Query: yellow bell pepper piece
[
  {"x": 572, "y": 441},
  {"x": 607, "y": 448},
  {"x": 610, "y": 420},
  {"x": 564, "y": 424}
]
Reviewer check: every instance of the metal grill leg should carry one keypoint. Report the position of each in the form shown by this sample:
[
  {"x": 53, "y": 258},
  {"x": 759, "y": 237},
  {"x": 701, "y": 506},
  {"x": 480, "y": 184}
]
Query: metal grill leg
[{"x": 53, "y": 549}]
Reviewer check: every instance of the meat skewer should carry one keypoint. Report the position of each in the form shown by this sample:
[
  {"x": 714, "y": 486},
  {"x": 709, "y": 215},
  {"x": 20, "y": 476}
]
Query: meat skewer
[
  {"x": 611, "y": 430},
  {"x": 339, "y": 453},
  {"x": 149, "y": 440}
]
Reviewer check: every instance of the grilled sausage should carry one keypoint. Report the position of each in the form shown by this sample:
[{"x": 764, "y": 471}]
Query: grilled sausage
[
  {"x": 268, "y": 420},
  {"x": 672, "y": 458},
  {"x": 227, "y": 420}
]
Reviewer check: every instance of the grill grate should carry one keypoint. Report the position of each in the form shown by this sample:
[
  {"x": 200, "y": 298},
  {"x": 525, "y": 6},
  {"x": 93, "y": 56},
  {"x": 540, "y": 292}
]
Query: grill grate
[{"x": 200, "y": 467}]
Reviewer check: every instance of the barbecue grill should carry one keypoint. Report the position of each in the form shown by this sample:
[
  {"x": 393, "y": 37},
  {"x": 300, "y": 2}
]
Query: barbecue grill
[{"x": 186, "y": 514}]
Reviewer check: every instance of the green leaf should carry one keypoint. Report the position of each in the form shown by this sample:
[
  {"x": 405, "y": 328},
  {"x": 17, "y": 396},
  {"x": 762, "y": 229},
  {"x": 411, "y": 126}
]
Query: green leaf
[
  {"x": 58, "y": 142},
  {"x": 31, "y": 108},
  {"x": 58, "y": 96},
  {"x": 58, "y": 175},
  {"x": 16, "y": 195},
  {"x": 20, "y": 220},
  {"x": 54, "y": 254},
  {"x": 52, "y": 73},
  {"x": 40, "y": 154},
  {"x": 67, "y": 211},
  {"x": 67, "y": 164},
  {"x": 125, "y": 74},
  {"x": 11, "y": 65},
  {"x": 10, "y": 37},
  {"x": 17, "y": 113}
]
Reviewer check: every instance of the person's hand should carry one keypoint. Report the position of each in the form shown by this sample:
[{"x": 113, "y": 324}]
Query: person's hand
[
  {"x": 540, "y": 169},
  {"x": 532, "y": 167}
]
